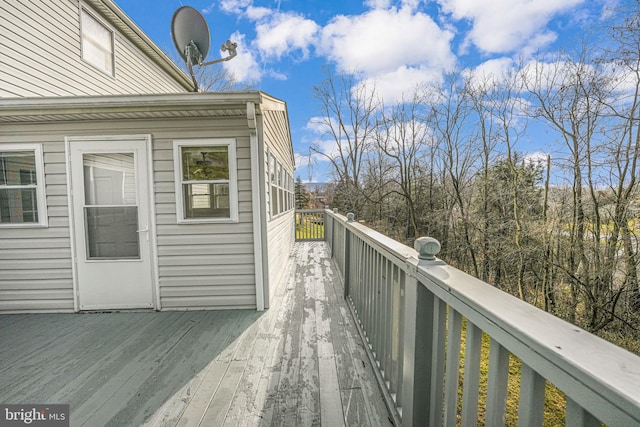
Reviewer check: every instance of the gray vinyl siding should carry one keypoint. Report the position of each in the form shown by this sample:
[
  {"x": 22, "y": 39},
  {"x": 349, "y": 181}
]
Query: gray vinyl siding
[
  {"x": 204, "y": 266},
  {"x": 41, "y": 56},
  {"x": 201, "y": 266},
  {"x": 35, "y": 263},
  {"x": 281, "y": 229}
]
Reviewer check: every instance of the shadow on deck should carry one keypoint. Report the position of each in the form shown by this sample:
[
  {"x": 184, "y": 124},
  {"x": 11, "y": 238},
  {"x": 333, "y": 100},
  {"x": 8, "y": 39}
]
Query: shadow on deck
[{"x": 301, "y": 362}]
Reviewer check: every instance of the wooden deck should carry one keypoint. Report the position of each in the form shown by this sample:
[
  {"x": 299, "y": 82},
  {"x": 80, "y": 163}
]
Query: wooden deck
[{"x": 300, "y": 363}]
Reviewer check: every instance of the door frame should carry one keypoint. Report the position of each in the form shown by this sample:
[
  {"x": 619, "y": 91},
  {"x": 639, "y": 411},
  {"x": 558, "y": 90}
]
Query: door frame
[{"x": 150, "y": 196}]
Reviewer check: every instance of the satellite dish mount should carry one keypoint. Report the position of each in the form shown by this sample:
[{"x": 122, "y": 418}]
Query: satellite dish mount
[{"x": 190, "y": 34}]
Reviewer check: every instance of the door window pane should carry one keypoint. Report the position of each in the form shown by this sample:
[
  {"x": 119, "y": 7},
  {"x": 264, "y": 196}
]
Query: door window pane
[
  {"x": 112, "y": 232},
  {"x": 109, "y": 179},
  {"x": 111, "y": 211}
]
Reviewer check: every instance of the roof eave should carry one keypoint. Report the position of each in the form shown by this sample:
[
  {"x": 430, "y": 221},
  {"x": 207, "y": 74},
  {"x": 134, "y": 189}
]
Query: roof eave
[{"x": 130, "y": 106}]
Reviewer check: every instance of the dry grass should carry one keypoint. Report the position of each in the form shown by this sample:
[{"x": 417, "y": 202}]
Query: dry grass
[{"x": 554, "y": 405}]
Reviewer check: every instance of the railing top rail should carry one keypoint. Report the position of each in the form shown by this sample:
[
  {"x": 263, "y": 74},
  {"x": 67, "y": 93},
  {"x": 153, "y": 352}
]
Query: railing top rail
[
  {"x": 599, "y": 376},
  {"x": 581, "y": 364},
  {"x": 311, "y": 211},
  {"x": 390, "y": 248}
]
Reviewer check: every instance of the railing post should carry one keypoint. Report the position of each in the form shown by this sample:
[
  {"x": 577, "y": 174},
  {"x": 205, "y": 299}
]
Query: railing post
[
  {"x": 347, "y": 255},
  {"x": 416, "y": 367},
  {"x": 418, "y": 341}
]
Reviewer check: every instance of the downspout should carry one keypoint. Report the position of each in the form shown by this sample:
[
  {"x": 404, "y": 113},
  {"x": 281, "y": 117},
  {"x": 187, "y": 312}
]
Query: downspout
[{"x": 256, "y": 170}]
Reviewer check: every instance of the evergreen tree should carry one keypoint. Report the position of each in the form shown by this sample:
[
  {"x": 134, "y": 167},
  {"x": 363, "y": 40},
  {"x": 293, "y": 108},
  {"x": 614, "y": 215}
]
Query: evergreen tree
[{"x": 302, "y": 197}]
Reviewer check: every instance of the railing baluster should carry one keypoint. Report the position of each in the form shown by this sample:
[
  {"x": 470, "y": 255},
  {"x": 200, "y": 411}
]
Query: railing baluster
[
  {"x": 363, "y": 288},
  {"x": 388, "y": 315},
  {"x": 378, "y": 298},
  {"x": 383, "y": 318},
  {"x": 531, "y": 405},
  {"x": 437, "y": 362},
  {"x": 453, "y": 366},
  {"x": 395, "y": 341},
  {"x": 471, "y": 375},
  {"x": 577, "y": 416},
  {"x": 399, "y": 378},
  {"x": 497, "y": 384},
  {"x": 370, "y": 256}
]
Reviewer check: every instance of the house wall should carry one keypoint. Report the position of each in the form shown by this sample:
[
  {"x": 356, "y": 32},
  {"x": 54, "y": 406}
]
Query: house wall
[
  {"x": 281, "y": 229},
  {"x": 41, "y": 56},
  {"x": 35, "y": 263},
  {"x": 201, "y": 266}
]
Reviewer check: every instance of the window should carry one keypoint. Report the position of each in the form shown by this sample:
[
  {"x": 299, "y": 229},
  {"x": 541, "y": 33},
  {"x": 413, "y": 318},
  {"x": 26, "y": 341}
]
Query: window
[
  {"x": 22, "y": 196},
  {"x": 281, "y": 190},
  {"x": 97, "y": 43},
  {"x": 206, "y": 185}
]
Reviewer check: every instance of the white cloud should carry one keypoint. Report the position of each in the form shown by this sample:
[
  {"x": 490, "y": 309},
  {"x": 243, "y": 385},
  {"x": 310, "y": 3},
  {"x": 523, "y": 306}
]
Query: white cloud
[
  {"x": 323, "y": 145},
  {"x": 302, "y": 160},
  {"x": 537, "y": 42},
  {"x": 401, "y": 82},
  {"x": 506, "y": 25},
  {"x": 244, "y": 67},
  {"x": 207, "y": 10},
  {"x": 284, "y": 32},
  {"x": 324, "y": 148},
  {"x": 317, "y": 125},
  {"x": 256, "y": 13},
  {"x": 537, "y": 158},
  {"x": 377, "y": 4},
  {"x": 234, "y": 6},
  {"x": 379, "y": 41},
  {"x": 493, "y": 70}
]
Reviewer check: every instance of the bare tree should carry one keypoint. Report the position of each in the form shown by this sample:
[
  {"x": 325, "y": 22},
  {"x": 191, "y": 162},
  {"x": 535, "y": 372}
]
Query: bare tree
[
  {"x": 348, "y": 112},
  {"x": 457, "y": 152},
  {"x": 401, "y": 136},
  {"x": 214, "y": 78},
  {"x": 479, "y": 89},
  {"x": 622, "y": 60}
]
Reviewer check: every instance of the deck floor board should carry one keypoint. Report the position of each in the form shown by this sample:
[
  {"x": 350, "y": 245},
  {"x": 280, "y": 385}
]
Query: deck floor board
[{"x": 300, "y": 363}]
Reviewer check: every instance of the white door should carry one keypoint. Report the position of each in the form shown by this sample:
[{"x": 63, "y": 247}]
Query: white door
[{"x": 111, "y": 218}]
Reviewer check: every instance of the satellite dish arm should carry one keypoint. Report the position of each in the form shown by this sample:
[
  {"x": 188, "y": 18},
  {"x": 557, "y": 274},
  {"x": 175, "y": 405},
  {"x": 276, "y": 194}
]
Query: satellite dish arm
[
  {"x": 233, "y": 52},
  {"x": 194, "y": 56}
]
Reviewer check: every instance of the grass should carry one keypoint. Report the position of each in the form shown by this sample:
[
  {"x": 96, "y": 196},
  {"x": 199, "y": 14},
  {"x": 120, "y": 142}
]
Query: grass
[
  {"x": 555, "y": 401},
  {"x": 309, "y": 228}
]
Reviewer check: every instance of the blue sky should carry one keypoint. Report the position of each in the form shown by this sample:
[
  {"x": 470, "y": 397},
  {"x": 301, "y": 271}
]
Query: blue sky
[{"x": 284, "y": 44}]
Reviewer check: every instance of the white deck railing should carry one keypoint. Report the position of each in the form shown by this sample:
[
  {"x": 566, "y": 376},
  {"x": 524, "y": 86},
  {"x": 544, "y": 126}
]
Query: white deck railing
[
  {"x": 309, "y": 225},
  {"x": 411, "y": 310}
]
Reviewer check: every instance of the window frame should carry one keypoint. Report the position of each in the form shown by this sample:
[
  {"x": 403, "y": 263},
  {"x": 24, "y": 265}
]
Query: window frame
[
  {"x": 92, "y": 15},
  {"x": 230, "y": 143},
  {"x": 279, "y": 193},
  {"x": 41, "y": 196}
]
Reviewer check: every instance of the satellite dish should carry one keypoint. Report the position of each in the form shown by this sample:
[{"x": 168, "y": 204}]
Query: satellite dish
[
  {"x": 189, "y": 26},
  {"x": 190, "y": 34}
]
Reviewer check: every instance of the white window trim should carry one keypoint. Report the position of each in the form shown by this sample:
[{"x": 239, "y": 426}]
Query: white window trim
[
  {"x": 43, "y": 218},
  {"x": 233, "y": 179},
  {"x": 95, "y": 16},
  {"x": 284, "y": 174}
]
